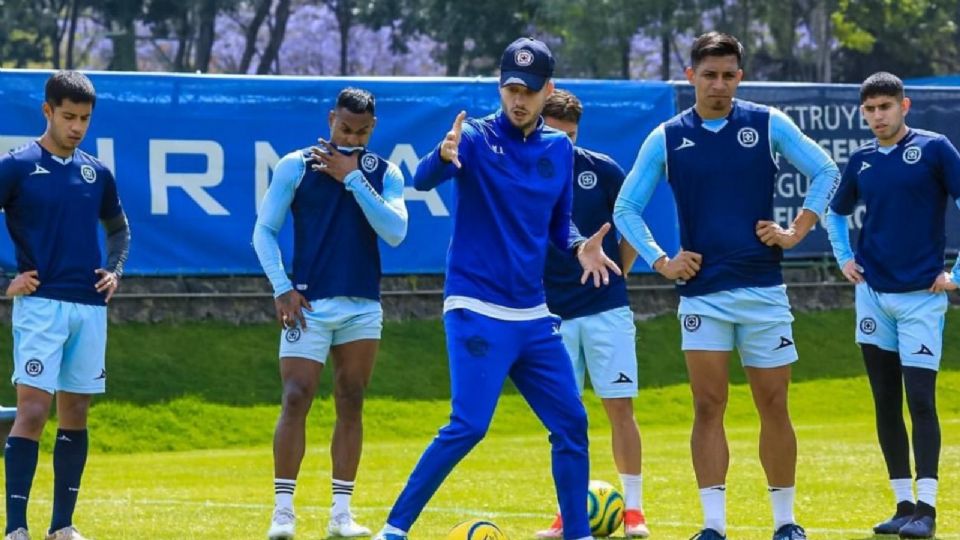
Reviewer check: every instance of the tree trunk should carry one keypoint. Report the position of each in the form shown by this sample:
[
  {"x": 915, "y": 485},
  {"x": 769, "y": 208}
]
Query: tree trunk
[
  {"x": 263, "y": 9},
  {"x": 344, "y": 11},
  {"x": 124, "y": 45},
  {"x": 271, "y": 53},
  {"x": 72, "y": 32},
  {"x": 664, "y": 56},
  {"x": 206, "y": 23},
  {"x": 453, "y": 56}
]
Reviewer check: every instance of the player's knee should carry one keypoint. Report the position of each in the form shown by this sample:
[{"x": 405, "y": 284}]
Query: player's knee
[
  {"x": 709, "y": 406},
  {"x": 470, "y": 432},
  {"x": 349, "y": 402},
  {"x": 297, "y": 399},
  {"x": 31, "y": 417},
  {"x": 922, "y": 406},
  {"x": 772, "y": 404}
]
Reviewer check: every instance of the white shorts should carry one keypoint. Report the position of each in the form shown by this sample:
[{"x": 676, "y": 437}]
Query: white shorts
[
  {"x": 755, "y": 320},
  {"x": 332, "y": 321},
  {"x": 605, "y": 345},
  {"x": 59, "y": 346}
]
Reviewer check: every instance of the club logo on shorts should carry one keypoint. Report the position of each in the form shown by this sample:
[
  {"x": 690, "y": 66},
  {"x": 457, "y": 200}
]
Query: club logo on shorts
[
  {"x": 868, "y": 326},
  {"x": 587, "y": 180},
  {"x": 691, "y": 323},
  {"x": 523, "y": 58},
  {"x": 477, "y": 346},
  {"x": 545, "y": 167},
  {"x": 88, "y": 173},
  {"x": 748, "y": 137},
  {"x": 912, "y": 154},
  {"x": 33, "y": 367},
  {"x": 369, "y": 163},
  {"x": 292, "y": 335}
]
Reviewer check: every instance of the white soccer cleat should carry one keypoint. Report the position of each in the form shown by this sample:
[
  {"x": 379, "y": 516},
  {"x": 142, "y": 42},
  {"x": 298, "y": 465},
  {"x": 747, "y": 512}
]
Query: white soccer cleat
[
  {"x": 635, "y": 524},
  {"x": 343, "y": 524},
  {"x": 282, "y": 525},
  {"x": 19, "y": 534},
  {"x": 66, "y": 533},
  {"x": 554, "y": 531}
]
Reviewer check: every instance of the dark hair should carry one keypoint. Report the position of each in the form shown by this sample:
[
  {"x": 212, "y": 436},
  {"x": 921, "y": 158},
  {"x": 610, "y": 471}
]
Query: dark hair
[
  {"x": 881, "y": 83},
  {"x": 563, "y": 105},
  {"x": 71, "y": 85},
  {"x": 715, "y": 44},
  {"x": 355, "y": 100}
]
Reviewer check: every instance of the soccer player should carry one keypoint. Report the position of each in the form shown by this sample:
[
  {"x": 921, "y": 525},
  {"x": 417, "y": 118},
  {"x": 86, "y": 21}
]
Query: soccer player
[
  {"x": 904, "y": 177},
  {"x": 54, "y": 196},
  {"x": 720, "y": 160},
  {"x": 514, "y": 182},
  {"x": 342, "y": 198},
  {"x": 597, "y": 328}
]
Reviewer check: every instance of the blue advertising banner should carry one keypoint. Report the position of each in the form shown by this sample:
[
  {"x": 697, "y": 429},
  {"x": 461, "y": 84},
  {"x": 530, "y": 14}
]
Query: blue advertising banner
[
  {"x": 830, "y": 115},
  {"x": 193, "y": 154}
]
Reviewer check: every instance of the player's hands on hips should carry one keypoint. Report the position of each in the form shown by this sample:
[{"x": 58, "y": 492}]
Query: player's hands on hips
[
  {"x": 290, "y": 306},
  {"x": 450, "y": 147},
  {"x": 333, "y": 162},
  {"x": 944, "y": 283},
  {"x": 772, "y": 234},
  {"x": 853, "y": 272},
  {"x": 24, "y": 283},
  {"x": 594, "y": 261},
  {"x": 108, "y": 282},
  {"x": 684, "y": 266}
]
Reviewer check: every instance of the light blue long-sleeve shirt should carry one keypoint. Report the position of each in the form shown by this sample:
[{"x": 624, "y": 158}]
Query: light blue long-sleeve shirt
[
  {"x": 386, "y": 213},
  {"x": 650, "y": 168}
]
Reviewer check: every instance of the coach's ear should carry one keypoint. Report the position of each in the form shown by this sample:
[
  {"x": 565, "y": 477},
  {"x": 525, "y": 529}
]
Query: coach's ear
[
  {"x": 905, "y": 104},
  {"x": 331, "y": 118}
]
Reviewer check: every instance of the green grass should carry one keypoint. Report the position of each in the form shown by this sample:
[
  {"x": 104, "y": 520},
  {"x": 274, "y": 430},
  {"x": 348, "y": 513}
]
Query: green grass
[{"x": 181, "y": 443}]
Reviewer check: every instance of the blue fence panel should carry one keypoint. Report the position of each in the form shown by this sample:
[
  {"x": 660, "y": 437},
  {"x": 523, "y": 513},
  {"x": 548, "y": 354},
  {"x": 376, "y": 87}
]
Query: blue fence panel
[{"x": 193, "y": 154}]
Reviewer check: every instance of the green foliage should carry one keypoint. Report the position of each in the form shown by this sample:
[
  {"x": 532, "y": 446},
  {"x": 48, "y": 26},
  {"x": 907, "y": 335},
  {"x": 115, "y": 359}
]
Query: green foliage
[{"x": 906, "y": 37}]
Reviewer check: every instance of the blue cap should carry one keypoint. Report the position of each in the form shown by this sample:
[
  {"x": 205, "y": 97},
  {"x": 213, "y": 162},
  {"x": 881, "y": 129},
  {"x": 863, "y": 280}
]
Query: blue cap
[{"x": 526, "y": 61}]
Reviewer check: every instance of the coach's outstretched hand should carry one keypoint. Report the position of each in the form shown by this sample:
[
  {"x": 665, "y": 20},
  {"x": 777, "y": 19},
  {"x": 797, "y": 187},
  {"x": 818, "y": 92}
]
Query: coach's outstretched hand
[
  {"x": 594, "y": 261},
  {"x": 24, "y": 283},
  {"x": 450, "y": 147},
  {"x": 290, "y": 306},
  {"x": 108, "y": 283}
]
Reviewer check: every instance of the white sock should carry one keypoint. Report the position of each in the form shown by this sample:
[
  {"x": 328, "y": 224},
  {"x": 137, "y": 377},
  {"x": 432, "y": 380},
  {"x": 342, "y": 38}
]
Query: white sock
[
  {"x": 632, "y": 491},
  {"x": 713, "y": 499},
  {"x": 927, "y": 491},
  {"x": 781, "y": 498},
  {"x": 390, "y": 529},
  {"x": 342, "y": 491},
  {"x": 902, "y": 489},
  {"x": 283, "y": 492}
]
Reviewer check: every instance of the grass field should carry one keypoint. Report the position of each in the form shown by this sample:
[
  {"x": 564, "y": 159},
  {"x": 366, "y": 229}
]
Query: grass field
[{"x": 182, "y": 440}]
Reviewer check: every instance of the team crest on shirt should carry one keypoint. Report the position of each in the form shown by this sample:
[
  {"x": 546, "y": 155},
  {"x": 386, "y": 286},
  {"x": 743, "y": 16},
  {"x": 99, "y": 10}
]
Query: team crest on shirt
[
  {"x": 868, "y": 325},
  {"x": 748, "y": 137},
  {"x": 545, "y": 167},
  {"x": 691, "y": 323},
  {"x": 368, "y": 163},
  {"x": 33, "y": 367},
  {"x": 292, "y": 335},
  {"x": 88, "y": 173},
  {"x": 523, "y": 58},
  {"x": 587, "y": 179},
  {"x": 912, "y": 154}
]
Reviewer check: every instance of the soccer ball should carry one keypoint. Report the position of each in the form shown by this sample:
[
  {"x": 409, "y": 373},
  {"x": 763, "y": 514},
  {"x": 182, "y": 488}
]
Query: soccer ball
[
  {"x": 476, "y": 529},
  {"x": 604, "y": 508}
]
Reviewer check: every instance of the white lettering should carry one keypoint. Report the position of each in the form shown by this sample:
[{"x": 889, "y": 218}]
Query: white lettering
[
  {"x": 403, "y": 155},
  {"x": 193, "y": 184}
]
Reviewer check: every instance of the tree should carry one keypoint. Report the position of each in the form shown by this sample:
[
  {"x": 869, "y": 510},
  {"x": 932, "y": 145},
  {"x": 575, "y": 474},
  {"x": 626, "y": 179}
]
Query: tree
[
  {"x": 907, "y": 37},
  {"x": 278, "y": 26},
  {"x": 261, "y": 11}
]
